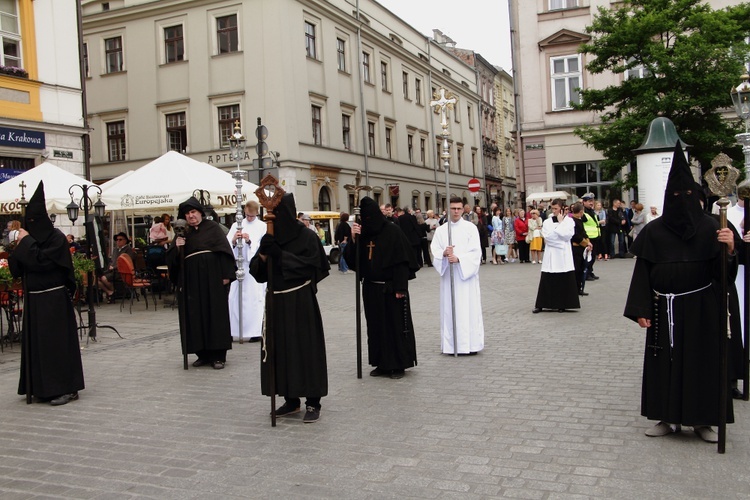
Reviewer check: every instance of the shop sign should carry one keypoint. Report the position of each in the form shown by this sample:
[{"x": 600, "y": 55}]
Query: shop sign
[{"x": 19, "y": 138}]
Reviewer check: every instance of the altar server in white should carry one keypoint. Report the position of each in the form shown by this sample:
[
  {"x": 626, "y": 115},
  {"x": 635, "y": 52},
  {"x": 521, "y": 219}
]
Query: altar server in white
[
  {"x": 466, "y": 255},
  {"x": 557, "y": 285},
  {"x": 253, "y": 293}
]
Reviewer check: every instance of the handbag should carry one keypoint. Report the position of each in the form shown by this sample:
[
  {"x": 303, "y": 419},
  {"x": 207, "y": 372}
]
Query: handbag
[{"x": 501, "y": 249}]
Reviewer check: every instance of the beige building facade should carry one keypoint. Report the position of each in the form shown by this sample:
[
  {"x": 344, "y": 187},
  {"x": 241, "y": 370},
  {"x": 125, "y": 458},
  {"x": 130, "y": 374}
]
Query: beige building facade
[
  {"x": 506, "y": 131},
  {"x": 545, "y": 36},
  {"x": 340, "y": 90}
]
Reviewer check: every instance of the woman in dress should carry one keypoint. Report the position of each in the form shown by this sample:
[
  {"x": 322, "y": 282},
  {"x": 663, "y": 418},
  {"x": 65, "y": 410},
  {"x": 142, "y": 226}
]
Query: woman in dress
[
  {"x": 510, "y": 235},
  {"x": 600, "y": 245},
  {"x": 498, "y": 235},
  {"x": 535, "y": 237}
]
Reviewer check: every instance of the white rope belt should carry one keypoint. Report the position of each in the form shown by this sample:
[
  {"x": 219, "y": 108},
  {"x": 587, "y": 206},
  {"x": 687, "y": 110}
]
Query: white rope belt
[
  {"x": 276, "y": 292},
  {"x": 377, "y": 282},
  {"x": 197, "y": 253},
  {"x": 670, "y": 308},
  {"x": 47, "y": 290}
]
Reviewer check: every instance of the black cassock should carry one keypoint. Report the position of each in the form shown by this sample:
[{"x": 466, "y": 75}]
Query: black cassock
[
  {"x": 387, "y": 263},
  {"x": 299, "y": 342},
  {"x": 681, "y": 380},
  {"x": 208, "y": 261},
  {"x": 55, "y": 355}
]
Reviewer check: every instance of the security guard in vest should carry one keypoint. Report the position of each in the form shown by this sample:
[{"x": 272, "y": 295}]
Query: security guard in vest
[{"x": 593, "y": 231}]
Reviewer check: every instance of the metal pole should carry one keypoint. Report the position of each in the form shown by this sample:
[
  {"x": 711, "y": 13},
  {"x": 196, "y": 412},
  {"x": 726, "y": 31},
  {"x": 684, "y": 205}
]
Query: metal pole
[
  {"x": 723, "y": 389},
  {"x": 357, "y": 294},
  {"x": 240, "y": 273}
]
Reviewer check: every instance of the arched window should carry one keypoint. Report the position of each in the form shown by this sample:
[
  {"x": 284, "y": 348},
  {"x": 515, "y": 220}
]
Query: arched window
[{"x": 324, "y": 199}]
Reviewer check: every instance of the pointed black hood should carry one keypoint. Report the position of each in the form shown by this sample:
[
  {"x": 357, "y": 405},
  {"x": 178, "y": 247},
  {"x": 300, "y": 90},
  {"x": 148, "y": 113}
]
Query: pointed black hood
[
  {"x": 286, "y": 227},
  {"x": 36, "y": 220},
  {"x": 373, "y": 219},
  {"x": 682, "y": 207}
]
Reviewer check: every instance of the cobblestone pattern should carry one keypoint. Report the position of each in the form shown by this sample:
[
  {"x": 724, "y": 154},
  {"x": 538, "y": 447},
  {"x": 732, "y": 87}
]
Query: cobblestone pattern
[{"x": 549, "y": 410}]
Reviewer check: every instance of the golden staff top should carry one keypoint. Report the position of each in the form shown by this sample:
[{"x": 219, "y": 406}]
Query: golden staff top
[
  {"x": 722, "y": 176},
  {"x": 442, "y": 101}
]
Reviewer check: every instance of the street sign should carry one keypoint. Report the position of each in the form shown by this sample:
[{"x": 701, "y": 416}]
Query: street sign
[{"x": 474, "y": 185}]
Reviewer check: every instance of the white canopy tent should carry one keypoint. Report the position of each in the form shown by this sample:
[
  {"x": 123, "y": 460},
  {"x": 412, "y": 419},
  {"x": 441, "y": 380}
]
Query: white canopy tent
[
  {"x": 57, "y": 183},
  {"x": 169, "y": 180},
  {"x": 547, "y": 196}
]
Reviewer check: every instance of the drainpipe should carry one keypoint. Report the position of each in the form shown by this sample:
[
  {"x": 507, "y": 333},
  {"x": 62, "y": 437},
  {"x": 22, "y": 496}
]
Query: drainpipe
[
  {"x": 363, "y": 109},
  {"x": 521, "y": 173},
  {"x": 84, "y": 109},
  {"x": 432, "y": 129}
]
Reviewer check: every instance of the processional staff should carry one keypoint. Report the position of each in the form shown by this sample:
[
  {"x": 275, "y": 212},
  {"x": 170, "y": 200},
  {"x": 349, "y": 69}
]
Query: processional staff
[
  {"x": 180, "y": 227},
  {"x": 237, "y": 147},
  {"x": 442, "y": 102},
  {"x": 269, "y": 195},
  {"x": 25, "y": 337},
  {"x": 357, "y": 187},
  {"x": 721, "y": 180}
]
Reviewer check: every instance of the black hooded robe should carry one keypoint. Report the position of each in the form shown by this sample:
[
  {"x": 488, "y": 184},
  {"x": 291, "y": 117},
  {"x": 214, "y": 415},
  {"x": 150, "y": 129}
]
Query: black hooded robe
[
  {"x": 679, "y": 254},
  {"x": 299, "y": 350},
  {"x": 43, "y": 260},
  {"x": 387, "y": 264},
  {"x": 208, "y": 261}
]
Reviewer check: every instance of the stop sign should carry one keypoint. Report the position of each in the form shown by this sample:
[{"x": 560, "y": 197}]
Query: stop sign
[{"x": 474, "y": 185}]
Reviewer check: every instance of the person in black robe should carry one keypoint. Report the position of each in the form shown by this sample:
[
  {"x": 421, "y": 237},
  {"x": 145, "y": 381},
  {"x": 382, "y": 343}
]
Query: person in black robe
[
  {"x": 299, "y": 352},
  {"x": 579, "y": 243},
  {"x": 209, "y": 267},
  {"x": 408, "y": 224},
  {"x": 386, "y": 264},
  {"x": 42, "y": 259},
  {"x": 675, "y": 294}
]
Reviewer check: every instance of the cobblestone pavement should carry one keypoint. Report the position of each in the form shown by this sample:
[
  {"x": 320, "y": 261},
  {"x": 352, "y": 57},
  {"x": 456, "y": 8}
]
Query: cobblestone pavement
[{"x": 550, "y": 409}]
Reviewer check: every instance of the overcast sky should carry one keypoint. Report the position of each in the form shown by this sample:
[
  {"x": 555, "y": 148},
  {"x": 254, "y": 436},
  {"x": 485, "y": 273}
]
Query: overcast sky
[{"x": 479, "y": 25}]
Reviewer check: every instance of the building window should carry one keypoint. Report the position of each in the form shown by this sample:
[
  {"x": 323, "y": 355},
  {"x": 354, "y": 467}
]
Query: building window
[
  {"x": 86, "y": 70},
  {"x": 226, "y": 34},
  {"x": 471, "y": 117},
  {"x": 174, "y": 44},
  {"x": 566, "y": 78},
  {"x": 580, "y": 178},
  {"x": 459, "y": 159},
  {"x": 371, "y": 138},
  {"x": 562, "y": 4},
  {"x": 341, "y": 53},
  {"x": 418, "y": 90},
  {"x": 347, "y": 131},
  {"x": 405, "y": 84},
  {"x": 473, "y": 161},
  {"x": 227, "y": 116},
  {"x": 176, "y": 132},
  {"x": 310, "y": 40},
  {"x": 366, "y": 67},
  {"x": 384, "y": 75},
  {"x": 10, "y": 35},
  {"x": 113, "y": 54},
  {"x": 410, "y": 147},
  {"x": 116, "y": 140},
  {"x": 422, "y": 150},
  {"x": 317, "y": 125},
  {"x": 639, "y": 71},
  {"x": 388, "y": 134}
]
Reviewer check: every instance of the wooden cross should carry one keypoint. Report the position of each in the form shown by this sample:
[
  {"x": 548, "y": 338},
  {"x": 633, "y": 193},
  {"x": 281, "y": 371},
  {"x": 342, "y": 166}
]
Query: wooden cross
[
  {"x": 370, "y": 245},
  {"x": 442, "y": 102}
]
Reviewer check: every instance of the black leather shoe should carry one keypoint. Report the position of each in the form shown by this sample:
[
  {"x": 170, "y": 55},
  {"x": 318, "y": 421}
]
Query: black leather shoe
[
  {"x": 583, "y": 294},
  {"x": 736, "y": 393},
  {"x": 397, "y": 374},
  {"x": 254, "y": 339},
  {"x": 200, "y": 362},
  {"x": 64, "y": 399},
  {"x": 594, "y": 276},
  {"x": 377, "y": 372},
  {"x": 536, "y": 310},
  {"x": 218, "y": 365},
  {"x": 591, "y": 278}
]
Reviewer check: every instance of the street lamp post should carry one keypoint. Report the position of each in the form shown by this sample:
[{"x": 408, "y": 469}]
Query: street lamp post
[
  {"x": 237, "y": 143},
  {"x": 86, "y": 203},
  {"x": 741, "y": 101}
]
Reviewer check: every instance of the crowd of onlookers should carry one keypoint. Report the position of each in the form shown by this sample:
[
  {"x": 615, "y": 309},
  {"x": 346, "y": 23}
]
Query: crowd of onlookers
[{"x": 515, "y": 235}]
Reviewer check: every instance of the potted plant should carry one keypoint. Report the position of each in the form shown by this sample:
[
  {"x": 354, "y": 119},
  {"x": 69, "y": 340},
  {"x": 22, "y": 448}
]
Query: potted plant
[
  {"x": 82, "y": 266},
  {"x": 6, "y": 279},
  {"x": 14, "y": 71}
]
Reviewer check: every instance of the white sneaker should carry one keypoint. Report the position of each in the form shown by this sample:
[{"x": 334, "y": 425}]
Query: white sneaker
[
  {"x": 706, "y": 433},
  {"x": 533, "y": 262},
  {"x": 663, "y": 428}
]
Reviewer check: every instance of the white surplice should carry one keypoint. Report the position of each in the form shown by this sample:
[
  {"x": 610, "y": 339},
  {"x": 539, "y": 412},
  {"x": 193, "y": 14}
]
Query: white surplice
[
  {"x": 469, "y": 322},
  {"x": 253, "y": 293},
  {"x": 558, "y": 255},
  {"x": 736, "y": 215}
]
